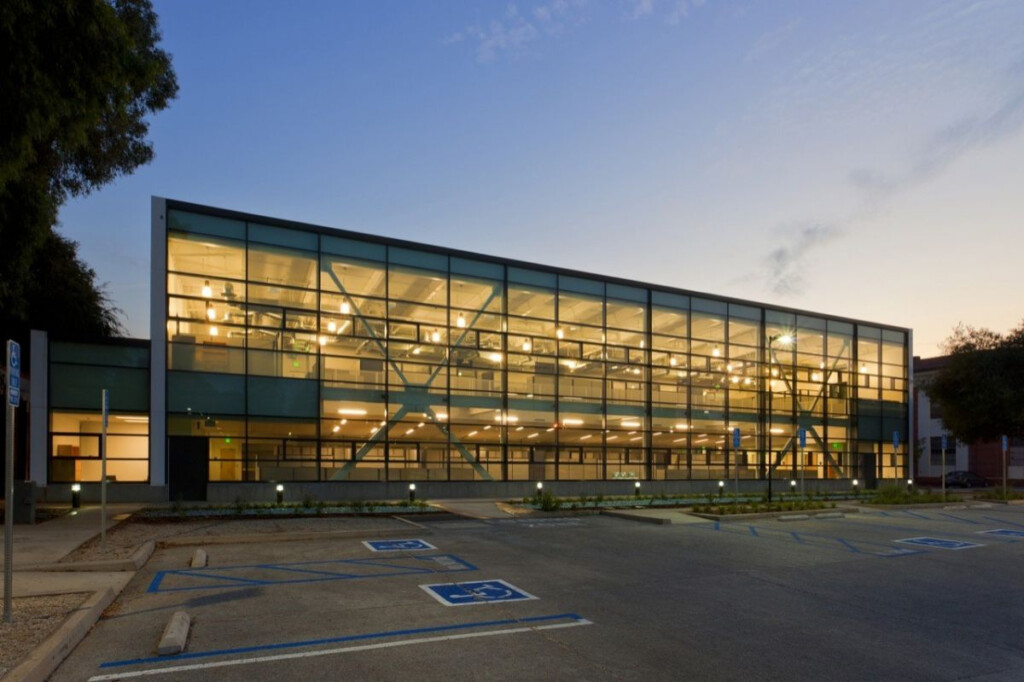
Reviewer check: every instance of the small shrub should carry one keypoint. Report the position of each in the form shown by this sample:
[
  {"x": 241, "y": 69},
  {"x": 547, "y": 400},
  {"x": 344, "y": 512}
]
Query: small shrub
[{"x": 548, "y": 502}]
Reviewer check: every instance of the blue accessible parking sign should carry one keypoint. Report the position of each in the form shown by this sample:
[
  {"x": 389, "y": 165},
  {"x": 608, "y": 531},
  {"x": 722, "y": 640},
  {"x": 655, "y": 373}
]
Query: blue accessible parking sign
[
  {"x": 397, "y": 545},
  {"x": 939, "y": 543},
  {"x": 476, "y": 592}
]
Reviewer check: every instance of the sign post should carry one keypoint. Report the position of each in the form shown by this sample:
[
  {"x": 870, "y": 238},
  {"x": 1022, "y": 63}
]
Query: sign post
[
  {"x": 105, "y": 398},
  {"x": 803, "y": 445},
  {"x": 1006, "y": 448},
  {"x": 13, "y": 395},
  {"x": 736, "y": 458},
  {"x": 944, "y": 443}
]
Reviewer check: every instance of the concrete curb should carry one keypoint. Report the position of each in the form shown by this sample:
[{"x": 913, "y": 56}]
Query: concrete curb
[
  {"x": 636, "y": 517},
  {"x": 140, "y": 557},
  {"x": 175, "y": 635},
  {"x": 244, "y": 538},
  {"x": 45, "y": 658},
  {"x": 199, "y": 559},
  {"x": 809, "y": 513}
]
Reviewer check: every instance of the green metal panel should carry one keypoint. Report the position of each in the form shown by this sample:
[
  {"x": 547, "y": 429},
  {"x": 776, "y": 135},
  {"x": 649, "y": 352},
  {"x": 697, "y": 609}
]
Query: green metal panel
[
  {"x": 274, "y": 397},
  {"x": 210, "y": 394},
  {"x": 79, "y": 386}
]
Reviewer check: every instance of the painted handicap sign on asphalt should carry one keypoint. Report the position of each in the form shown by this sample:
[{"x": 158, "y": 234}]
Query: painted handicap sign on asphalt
[
  {"x": 476, "y": 592},
  {"x": 1004, "y": 533},
  {"x": 939, "y": 543},
  {"x": 397, "y": 545}
]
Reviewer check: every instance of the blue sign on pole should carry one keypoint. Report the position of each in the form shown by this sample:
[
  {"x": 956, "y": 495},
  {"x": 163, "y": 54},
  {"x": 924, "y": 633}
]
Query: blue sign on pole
[
  {"x": 895, "y": 440},
  {"x": 13, "y": 373},
  {"x": 944, "y": 443},
  {"x": 803, "y": 437},
  {"x": 1006, "y": 443},
  {"x": 736, "y": 438},
  {"x": 476, "y": 592}
]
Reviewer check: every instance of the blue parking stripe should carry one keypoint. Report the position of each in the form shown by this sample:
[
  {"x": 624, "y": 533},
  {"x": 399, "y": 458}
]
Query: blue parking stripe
[
  {"x": 345, "y": 638},
  {"x": 959, "y": 518},
  {"x": 753, "y": 531},
  {"x": 920, "y": 516},
  {"x": 1012, "y": 523}
]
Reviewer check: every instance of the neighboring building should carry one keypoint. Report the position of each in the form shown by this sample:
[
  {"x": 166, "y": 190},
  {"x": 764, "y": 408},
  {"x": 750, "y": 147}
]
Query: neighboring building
[
  {"x": 985, "y": 459},
  {"x": 288, "y": 352}
]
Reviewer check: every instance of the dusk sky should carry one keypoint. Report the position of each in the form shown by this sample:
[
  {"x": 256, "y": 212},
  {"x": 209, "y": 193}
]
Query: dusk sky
[{"x": 861, "y": 158}]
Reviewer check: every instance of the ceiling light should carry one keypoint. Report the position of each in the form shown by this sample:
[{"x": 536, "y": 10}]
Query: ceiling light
[
  {"x": 207, "y": 291},
  {"x": 336, "y": 428},
  {"x": 332, "y": 326},
  {"x": 322, "y": 340},
  {"x": 416, "y": 350},
  {"x": 631, "y": 425},
  {"x": 572, "y": 422},
  {"x": 716, "y": 353},
  {"x": 471, "y": 434},
  {"x": 495, "y": 357},
  {"x": 527, "y": 346},
  {"x": 672, "y": 362},
  {"x": 214, "y": 331},
  {"x": 210, "y": 312},
  {"x": 586, "y": 436},
  {"x": 352, "y": 412},
  {"x": 559, "y": 333},
  {"x": 532, "y": 435},
  {"x": 346, "y": 308},
  {"x": 460, "y": 321},
  {"x": 435, "y": 336}
]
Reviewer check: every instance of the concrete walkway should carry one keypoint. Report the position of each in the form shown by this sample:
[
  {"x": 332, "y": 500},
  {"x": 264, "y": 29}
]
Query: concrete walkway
[
  {"x": 51, "y": 541},
  {"x": 473, "y": 508}
]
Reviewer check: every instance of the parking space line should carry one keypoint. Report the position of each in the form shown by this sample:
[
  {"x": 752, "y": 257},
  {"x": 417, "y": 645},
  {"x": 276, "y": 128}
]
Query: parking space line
[
  {"x": 959, "y": 518},
  {"x": 995, "y": 520},
  {"x": 397, "y": 566},
  {"x": 910, "y": 529},
  {"x": 527, "y": 624},
  {"x": 883, "y": 550},
  {"x": 910, "y": 513}
]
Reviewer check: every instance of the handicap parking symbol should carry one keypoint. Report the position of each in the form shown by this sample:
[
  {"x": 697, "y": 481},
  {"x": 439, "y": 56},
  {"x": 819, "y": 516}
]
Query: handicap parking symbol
[
  {"x": 476, "y": 592},
  {"x": 939, "y": 543},
  {"x": 1005, "y": 533},
  {"x": 397, "y": 545}
]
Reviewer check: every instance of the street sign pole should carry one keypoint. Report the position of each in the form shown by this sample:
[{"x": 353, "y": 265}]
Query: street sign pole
[
  {"x": 803, "y": 461},
  {"x": 1006, "y": 446},
  {"x": 105, "y": 397},
  {"x": 943, "y": 467},
  {"x": 13, "y": 396},
  {"x": 736, "y": 459}
]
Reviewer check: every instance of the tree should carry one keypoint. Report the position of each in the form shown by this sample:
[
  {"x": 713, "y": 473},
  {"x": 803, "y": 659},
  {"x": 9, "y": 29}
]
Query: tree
[
  {"x": 78, "y": 79},
  {"x": 980, "y": 390}
]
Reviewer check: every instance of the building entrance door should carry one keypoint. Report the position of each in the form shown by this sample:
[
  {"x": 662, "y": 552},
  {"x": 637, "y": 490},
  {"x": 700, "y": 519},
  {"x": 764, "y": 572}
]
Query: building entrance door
[{"x": 189, "y": 458}]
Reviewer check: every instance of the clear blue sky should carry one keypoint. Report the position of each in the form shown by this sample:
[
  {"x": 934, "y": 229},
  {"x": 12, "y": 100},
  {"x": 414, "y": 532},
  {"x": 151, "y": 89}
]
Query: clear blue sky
[{"x": 861, "y": 158}]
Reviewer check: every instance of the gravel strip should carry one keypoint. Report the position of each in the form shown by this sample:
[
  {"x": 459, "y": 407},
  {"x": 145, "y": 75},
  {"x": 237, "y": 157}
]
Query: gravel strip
[
  {"x": 33, "y": 619},
  {"x": 126, "y": 537}
]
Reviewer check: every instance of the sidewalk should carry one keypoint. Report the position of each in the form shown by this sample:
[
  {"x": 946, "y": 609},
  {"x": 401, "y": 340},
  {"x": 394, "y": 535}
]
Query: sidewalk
[{"x": 49, "y": 542}]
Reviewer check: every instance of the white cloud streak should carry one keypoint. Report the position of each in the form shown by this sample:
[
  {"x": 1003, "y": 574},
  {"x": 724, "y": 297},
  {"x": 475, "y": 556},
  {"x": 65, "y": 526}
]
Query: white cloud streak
[{"x": 515, "y": 31}]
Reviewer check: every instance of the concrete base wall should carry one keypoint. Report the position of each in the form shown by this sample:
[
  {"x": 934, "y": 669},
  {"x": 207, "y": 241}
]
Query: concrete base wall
[
  {"x": 116, "y": 492},
  {"x": 226, "y": 493}
]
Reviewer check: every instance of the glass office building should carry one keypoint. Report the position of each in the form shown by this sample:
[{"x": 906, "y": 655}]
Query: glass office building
[{"x": 288, "y": 352}]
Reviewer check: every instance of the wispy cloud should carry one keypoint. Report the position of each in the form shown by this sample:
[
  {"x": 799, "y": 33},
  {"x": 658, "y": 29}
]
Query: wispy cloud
[
  {"x": 674, "y": 11},
  {"x": 515, "y": 31},
  {"x": 995, "y": 120}
]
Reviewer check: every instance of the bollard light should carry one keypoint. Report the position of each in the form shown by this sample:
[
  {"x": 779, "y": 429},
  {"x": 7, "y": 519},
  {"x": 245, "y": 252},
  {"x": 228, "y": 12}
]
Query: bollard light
[
  {"x": 910, "y": 483},
  {"x": 412, "y": 492},
  {"x": 280, "y": 493},
  {"x": 721, "y": 488},
  {"x": 540, "y": 486},
  {"x": 76, "y": 495},
  {"x": 636, "y": 488}
]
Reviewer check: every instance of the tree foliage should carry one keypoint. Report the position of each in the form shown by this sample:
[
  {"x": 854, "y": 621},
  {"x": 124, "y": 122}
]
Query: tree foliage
[
  {"x": 980, "y": 390},
  {"x": 78, "y": 79}
]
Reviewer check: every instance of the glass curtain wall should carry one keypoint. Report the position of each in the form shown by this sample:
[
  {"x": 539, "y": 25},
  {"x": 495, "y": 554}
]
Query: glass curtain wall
[{"x": 302, "y": 355}]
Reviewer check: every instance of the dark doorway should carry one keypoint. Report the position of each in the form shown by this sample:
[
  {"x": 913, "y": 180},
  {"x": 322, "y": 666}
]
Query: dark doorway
[
  {"x": 868, "y": 471},
  {"x": 189, "y": 458}
]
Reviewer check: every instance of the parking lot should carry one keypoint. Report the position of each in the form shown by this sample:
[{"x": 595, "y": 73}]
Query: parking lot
[{"x": 929, "y": 594}]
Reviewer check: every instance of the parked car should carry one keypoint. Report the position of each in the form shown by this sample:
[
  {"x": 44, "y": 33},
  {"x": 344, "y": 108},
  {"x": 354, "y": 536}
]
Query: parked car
[{"x": 965, "y": 479}]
